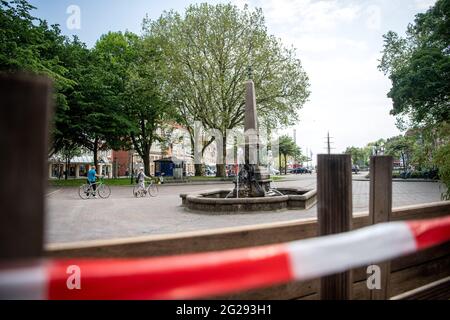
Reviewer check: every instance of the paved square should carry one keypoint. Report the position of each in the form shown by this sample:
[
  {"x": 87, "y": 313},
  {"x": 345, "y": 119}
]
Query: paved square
[{"x": 71, "y": 219}]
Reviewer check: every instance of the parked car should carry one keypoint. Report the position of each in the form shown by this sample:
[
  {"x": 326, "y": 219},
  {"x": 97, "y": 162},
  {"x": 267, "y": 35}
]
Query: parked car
[
  {"x": 301, "y": 170},
  {"x": 355, "y": 169},
  {"x": 231, "y": 173}
]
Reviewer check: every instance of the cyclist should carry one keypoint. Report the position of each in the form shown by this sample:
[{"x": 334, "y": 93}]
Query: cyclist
[{"x": 92, "y": 178}]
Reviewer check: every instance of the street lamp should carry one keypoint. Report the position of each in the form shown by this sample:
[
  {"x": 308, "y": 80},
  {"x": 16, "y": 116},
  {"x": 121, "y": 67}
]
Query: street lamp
[
  {"x": 115, "y": 167},
  {"x": 132, "y": 167}
]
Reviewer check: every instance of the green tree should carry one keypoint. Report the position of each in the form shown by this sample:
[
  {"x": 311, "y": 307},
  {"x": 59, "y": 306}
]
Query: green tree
[
  {"x": 146, "y": 107},
  {"x": 419, "y": 67},
  {"x": 67, "y": 118},
  {"x": 376, "y": 147},
  {"x": 401, "y": 147},
  {"x": 88, "y": 118},
  {"x": 209, "y": 50},
  {"x": 29, "y": 44},
  {"x": 360, "y": 156},
  {"x": 425, "y": 141},
  {"x": 287, "y": 148},
  {"x": 441, "y": 157},
  {"x": 99, "y": 104},
  {"x": 132, "y": 103}
]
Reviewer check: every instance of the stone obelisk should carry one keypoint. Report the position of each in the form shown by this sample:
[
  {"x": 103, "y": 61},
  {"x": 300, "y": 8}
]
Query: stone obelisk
[
  {"x": 254, "y": 180},
  {"x": 250, "y": 125}
]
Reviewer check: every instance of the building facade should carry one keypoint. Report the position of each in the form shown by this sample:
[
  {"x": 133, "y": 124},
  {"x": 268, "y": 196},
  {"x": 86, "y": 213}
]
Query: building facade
[
  {"x": 78, "y": 166},
  {"x": 123, "y": 163}
]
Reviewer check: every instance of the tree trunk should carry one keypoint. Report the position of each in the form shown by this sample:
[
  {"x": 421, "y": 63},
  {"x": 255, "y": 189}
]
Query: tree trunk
[
  {"x": 66, "y": 172},
  {"x": 279, "y": 163},
  {"x": 285, "y": 164},
  {"x": 404, "y": 162},
  {"x": 95, "y": 151},
  {"x": 59, "y": 169},
  {"x": 198, "y": 169},
  {"x": 221, "y": 168},
  {"x": 146, "y": 160}
]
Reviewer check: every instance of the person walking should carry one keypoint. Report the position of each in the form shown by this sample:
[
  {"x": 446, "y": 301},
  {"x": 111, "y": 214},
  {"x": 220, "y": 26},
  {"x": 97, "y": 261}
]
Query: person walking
[{"x": 140, "y": 179}]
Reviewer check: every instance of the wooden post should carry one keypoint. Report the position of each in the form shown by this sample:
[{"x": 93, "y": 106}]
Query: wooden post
[
  {"x": 24, "y": 114},
  {"x": 334, "y": 212},
  {"x": 380, "y": 210}
]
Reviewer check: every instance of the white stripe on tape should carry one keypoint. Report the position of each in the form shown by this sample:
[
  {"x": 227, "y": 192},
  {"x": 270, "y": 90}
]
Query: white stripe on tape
[
  {"x": 336, "y": 253},
  {"x": 24, "y": 283}
]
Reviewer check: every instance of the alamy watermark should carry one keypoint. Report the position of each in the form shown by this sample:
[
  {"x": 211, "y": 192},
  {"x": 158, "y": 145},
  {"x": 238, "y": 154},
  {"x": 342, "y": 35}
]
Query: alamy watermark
[
  {"x": 73, "y": 22},
  {"x": 374, "y": 277},
  {"x": 74, "y": 278}
]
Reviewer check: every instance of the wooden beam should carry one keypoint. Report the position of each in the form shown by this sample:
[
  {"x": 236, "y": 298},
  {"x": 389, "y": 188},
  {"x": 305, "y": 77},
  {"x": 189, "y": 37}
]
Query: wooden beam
[
  {"x": 380, "y": 210},
  {"x": 24, "y": 113},
  {"x": 419, "y": 275},
  {"x": 421, "y": 211},
  {"x": 437, "y": 290},
  {"x": 334, "y": 213}
]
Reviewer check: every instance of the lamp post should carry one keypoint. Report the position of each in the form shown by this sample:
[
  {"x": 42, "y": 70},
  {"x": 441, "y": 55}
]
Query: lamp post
[
  {"x": 132, "y": 167},
  {"x": 115, "y": 168}
]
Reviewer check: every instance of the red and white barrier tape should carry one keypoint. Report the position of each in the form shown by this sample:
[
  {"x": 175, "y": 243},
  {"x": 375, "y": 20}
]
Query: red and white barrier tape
[{"x": 214, "y": 273}]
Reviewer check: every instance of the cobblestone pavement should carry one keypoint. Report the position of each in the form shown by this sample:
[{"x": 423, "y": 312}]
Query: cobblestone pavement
[{"x": 71, "y": 219}]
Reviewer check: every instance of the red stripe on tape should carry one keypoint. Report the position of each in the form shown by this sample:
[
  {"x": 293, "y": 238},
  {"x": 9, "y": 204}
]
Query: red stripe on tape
[
  {"x": 179, "y": 277},
  {"x": 430, "y": 232}
]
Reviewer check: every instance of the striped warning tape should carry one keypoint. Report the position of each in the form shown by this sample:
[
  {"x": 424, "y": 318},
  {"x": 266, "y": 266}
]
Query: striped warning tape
[{"x": 214, "y": 273}]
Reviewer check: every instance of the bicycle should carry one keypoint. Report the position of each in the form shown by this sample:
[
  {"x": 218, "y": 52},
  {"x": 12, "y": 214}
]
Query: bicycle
[
  {"x": 86, "y": 191},
  {"x": 151, "y": 189}
]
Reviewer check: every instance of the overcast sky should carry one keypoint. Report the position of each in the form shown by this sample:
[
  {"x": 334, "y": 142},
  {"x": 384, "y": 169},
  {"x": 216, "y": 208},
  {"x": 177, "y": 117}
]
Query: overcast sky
[{"x": 338, "y": 42}]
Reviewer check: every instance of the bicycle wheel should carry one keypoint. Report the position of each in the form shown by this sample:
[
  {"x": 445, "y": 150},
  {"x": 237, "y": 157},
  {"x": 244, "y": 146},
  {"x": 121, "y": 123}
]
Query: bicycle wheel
[
  {"x": 84, "y": 191},
  {"x": 104, "y": 191},
  {"x": 153, "y": 190},
  {"x": 137, "y": 191}
]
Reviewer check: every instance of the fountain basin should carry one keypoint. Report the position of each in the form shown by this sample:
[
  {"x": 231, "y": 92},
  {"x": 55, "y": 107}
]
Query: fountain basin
[{"x": 214, "y": 201}]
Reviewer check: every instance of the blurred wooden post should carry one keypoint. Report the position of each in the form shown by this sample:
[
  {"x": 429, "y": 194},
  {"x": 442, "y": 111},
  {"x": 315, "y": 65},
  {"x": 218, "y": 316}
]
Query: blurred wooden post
[
  {"x": 24, "y": 114},
  {"x": 380, "y": 210},
  {"x": 334, "y": 212}
]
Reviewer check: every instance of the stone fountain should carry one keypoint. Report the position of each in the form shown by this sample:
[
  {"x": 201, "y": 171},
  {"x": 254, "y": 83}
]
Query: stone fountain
[
  {"x": 253, "y": 179},
  {"x": 252, "y": 187}
]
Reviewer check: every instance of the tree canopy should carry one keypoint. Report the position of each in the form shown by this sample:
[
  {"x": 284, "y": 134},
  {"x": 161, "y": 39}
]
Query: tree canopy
[
  {"x": 187, "y": 67},
  {"x": 360, "y": 156},
  {"x": 209, "y": 51},
  {"x": 288, "y": 148},
  {"x": 419, "y": 67}
]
